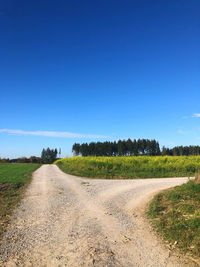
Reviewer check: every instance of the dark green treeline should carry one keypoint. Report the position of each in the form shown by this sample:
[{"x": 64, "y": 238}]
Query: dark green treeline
[
  {"x": 120, "y": 148},
  {"x": 181, "y": 151},
  {"x": 132, "y": 148}
]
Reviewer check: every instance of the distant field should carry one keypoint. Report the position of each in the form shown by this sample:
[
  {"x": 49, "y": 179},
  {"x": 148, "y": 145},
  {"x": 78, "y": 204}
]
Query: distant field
[
  {"x": 131, "y": 167},
  {"x": 13, "y": 180}
]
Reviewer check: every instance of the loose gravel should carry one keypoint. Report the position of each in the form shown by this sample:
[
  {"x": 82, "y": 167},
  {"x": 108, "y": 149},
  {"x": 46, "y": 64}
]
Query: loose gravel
[{"x": 69, "y": 221}]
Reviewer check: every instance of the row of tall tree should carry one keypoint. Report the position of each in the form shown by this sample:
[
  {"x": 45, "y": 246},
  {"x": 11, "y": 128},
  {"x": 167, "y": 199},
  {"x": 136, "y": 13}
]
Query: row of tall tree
[
  {"x": 121, "y": 148},
  {"x": 132, "y": 148}
]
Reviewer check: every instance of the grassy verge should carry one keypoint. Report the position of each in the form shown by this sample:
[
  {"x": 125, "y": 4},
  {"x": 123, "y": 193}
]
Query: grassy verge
[
  {"x": 130, "y": 167},
  {"x": 14, "y": 178},
  {"x": 175, "y": 213}
]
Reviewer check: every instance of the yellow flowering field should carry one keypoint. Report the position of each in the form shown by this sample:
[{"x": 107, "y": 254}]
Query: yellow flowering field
[{"x": 131, "y": 167}]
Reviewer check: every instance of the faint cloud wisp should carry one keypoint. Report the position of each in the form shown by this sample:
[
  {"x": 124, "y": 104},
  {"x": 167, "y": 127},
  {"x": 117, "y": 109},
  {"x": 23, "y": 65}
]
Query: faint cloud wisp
[
  {"x": 196, "y": 115},
  {"x": 51, "y": 134}
]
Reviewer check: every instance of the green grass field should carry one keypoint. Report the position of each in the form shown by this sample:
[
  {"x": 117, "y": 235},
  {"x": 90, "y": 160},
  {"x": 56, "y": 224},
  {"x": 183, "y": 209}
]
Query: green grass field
[
  {"x": 13, "y": 180},
  {"x": 175, "y": 213},
  {"x": 131, "y": 167}
]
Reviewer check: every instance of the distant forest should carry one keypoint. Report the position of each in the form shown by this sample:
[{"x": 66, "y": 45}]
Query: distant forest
[
  {"x": 128, "y": 147},
  {"x": 131, "y": 148},
  {"x": 48, "y": 156}
]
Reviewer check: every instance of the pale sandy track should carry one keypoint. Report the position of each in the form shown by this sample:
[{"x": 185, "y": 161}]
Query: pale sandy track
[{"x": 68, "y": 221}]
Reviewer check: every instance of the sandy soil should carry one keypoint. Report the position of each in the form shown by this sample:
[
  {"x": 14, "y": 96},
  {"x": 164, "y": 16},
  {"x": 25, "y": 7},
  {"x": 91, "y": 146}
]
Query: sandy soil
[{"x": 68, "y": 221}]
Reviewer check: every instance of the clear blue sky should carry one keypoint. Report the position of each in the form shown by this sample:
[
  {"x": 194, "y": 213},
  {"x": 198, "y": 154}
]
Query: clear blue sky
[{"x": 81, "y": 71}]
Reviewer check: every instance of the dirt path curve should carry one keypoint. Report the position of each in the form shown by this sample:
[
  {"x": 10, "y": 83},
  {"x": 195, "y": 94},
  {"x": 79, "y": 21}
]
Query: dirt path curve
[{"x": 68, "y": 221}]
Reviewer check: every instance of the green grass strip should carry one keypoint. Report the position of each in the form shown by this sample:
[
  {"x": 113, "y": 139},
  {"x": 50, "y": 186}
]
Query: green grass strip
[
  {"x": 175, "y": 214},
  {"x": 14, "y": 179}
]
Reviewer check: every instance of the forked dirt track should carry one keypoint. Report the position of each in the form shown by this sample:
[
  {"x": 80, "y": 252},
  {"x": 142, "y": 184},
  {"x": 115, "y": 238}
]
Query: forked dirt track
[{"x": 68, "y": 221}]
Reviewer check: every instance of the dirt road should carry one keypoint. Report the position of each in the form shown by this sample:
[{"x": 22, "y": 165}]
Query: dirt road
[{"x": 68, "y": 221}]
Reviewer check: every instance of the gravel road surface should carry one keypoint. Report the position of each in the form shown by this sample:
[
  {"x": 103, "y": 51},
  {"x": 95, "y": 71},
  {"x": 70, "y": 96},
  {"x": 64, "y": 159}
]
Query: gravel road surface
[{"x": 68, "y": 221}]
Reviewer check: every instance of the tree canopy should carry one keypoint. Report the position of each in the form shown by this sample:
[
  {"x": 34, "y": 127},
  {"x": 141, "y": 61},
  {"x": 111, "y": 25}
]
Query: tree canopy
[
  {"x": 132, "y": 148},
  {"x": 121, "y": 148},
  {"x": 48, "y": 155}
]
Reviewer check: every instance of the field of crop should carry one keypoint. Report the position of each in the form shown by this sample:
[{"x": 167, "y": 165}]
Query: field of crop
[
  {"x": 176, "y": 215},
  {"x": 131, "y": 167},
  {"x": 13, "y": 180}
]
